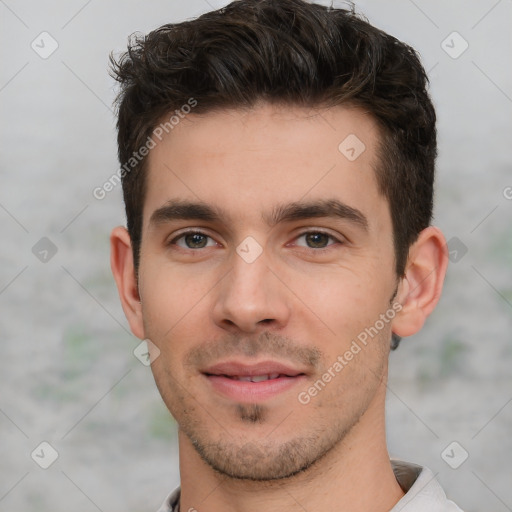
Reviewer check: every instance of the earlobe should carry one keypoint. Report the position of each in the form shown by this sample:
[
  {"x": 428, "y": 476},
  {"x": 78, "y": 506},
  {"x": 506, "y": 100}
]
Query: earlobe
[
  {"x": 420, "y": 288},
  {"x": 121, "y": 262}
]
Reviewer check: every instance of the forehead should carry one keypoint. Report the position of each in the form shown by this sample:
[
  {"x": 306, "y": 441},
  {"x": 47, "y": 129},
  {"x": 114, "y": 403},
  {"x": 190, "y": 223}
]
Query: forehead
[{"x": 248, "y": 161}]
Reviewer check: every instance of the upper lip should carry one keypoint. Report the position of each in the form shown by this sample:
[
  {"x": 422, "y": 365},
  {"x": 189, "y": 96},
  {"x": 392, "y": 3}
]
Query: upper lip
[{"x": 239, "y": 369}]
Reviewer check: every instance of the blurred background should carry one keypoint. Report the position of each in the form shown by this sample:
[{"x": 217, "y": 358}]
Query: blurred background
[{"x": 68, "y": 373}]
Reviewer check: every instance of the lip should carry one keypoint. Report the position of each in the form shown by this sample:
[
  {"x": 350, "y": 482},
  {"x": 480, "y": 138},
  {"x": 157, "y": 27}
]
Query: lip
[
  {"x": 220, "y": 376},
  {"x": 236, "y": 368}
]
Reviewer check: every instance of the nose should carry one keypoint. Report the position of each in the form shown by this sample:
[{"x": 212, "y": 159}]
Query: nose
[{"x": 251, "y": 298}]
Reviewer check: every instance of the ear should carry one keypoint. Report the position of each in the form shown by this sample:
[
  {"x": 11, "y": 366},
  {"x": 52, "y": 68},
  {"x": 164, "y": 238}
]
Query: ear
[
  {"x": 121, "y": 262},
  {"x": 420, "y": 288}
]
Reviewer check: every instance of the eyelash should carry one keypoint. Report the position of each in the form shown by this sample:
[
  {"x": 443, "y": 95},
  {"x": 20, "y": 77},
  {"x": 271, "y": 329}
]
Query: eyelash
[{"x": 316, "y": 231}]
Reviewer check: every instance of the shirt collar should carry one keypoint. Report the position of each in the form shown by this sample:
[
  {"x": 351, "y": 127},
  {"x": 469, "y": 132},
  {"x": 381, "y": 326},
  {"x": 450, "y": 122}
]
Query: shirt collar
[{"x": 423, "y": 492}]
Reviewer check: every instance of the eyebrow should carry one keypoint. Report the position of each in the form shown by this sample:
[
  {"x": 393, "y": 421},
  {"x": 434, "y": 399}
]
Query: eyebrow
[{"x": 178, "y": 209}]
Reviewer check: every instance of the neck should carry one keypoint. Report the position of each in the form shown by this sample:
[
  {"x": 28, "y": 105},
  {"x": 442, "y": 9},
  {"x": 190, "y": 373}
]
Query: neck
[{"x": 355, "y": 475}]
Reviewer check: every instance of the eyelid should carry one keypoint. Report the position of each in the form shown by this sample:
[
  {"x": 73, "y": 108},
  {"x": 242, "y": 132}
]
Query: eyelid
[
  {"x": 336, "y": 238},
  {"x": 187, "y": 231}
]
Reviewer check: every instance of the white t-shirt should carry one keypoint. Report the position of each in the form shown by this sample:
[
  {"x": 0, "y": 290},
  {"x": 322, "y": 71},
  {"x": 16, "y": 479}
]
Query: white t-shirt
[{"x": 423, "y": 492}]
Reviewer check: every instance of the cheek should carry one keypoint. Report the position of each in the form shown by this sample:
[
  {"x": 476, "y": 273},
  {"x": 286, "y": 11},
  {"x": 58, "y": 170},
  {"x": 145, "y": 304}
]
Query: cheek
[
  {"x": 171, "y": 298},
  {"x": 345, "y": 302}
]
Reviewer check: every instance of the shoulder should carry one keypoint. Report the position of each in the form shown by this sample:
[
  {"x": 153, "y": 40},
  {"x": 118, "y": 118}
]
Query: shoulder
[
  {"x": 423, "y": 491},
  {"x": 171, "y": 502}
]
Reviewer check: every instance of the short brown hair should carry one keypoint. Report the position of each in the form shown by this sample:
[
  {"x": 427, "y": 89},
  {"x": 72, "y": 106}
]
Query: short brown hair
[{"x": 287, "y": 52}]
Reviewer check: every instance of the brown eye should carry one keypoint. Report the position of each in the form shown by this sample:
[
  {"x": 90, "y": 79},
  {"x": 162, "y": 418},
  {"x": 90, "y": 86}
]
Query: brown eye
[
  {"x": 193, "y": 240},
  {"x": 316, "y": 240}
]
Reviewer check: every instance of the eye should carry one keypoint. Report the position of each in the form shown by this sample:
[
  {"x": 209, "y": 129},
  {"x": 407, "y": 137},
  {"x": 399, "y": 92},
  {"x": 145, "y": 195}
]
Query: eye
[
  {"x": 317, "y": 239},
  {"x": 193, "y": 240}
]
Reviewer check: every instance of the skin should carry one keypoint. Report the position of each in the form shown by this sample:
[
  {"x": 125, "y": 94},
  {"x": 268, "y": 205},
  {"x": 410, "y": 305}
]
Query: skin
[{"x": 301, "y": 302}]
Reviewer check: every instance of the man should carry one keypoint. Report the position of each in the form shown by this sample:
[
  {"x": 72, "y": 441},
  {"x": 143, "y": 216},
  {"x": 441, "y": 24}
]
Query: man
[{"x": 278, "y": 163}]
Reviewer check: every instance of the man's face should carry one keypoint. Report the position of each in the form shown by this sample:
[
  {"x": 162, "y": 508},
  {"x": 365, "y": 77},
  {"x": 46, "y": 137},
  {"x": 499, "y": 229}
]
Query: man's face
[{"x": 296, "y": 263}]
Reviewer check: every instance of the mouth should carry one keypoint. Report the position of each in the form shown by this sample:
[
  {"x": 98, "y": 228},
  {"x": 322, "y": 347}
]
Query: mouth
[
  {"x": 256, "y": 378},
  {"x": 250, "y": 383}
]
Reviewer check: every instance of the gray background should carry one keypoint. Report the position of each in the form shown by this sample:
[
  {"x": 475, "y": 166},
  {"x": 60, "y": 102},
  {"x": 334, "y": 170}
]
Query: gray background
[{"x": 68, "y": 373}]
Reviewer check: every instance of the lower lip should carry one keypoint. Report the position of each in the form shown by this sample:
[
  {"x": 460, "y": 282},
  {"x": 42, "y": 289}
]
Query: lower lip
[{"x": 244, "y": 391}]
